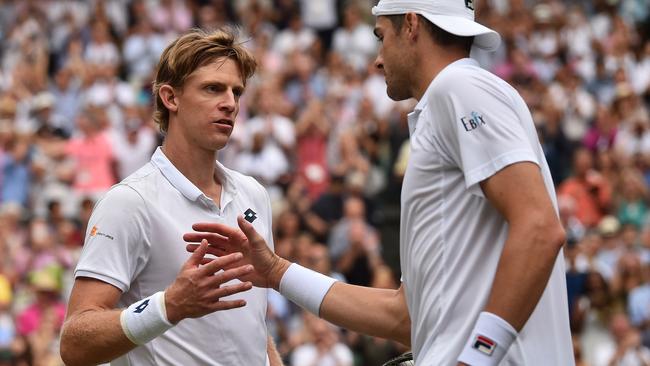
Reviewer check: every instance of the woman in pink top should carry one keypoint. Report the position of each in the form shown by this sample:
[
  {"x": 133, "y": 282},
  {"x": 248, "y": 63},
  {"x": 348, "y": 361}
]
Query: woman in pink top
[{"x": 92, "y": 155}]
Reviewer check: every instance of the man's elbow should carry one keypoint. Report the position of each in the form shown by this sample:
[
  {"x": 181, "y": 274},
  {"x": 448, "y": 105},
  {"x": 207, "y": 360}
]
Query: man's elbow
[
  {"x": 550, "y": 235},
  {"x": 69, "y": 351},
  {"x": 67, "y": 354}
]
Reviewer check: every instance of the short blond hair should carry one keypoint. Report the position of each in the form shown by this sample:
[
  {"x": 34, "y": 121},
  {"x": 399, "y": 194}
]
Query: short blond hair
[{"x": 191, "y": 51}]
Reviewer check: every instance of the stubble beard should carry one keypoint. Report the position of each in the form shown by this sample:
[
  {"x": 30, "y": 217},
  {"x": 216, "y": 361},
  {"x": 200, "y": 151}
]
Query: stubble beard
[{"x": 397, "y": 86}]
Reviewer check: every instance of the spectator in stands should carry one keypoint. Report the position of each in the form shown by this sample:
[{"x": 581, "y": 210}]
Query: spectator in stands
[{"x": 592, "y": 194}]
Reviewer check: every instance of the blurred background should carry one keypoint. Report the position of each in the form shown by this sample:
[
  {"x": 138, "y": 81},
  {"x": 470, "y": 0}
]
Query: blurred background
[{"x": 317, "y": 129}]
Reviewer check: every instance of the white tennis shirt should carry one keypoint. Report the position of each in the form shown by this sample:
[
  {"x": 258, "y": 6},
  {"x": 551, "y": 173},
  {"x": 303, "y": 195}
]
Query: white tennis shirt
[
  {"x": 135, "y": 242},
  {"x": 468, "y": 125}
]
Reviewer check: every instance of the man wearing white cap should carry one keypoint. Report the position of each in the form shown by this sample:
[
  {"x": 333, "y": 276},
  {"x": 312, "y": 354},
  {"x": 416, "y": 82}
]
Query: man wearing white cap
[{"x": 482, "y": 266}]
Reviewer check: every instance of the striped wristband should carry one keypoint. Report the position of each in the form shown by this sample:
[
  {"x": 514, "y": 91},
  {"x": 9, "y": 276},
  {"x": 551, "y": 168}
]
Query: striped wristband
[
  {"x": 145, "y": 319},
  {"x": 488, "y": 342}
]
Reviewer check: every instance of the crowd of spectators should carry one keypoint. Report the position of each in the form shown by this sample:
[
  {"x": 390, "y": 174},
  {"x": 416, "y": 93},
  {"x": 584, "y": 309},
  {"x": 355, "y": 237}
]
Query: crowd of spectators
[{"x": 318, "y": 131}]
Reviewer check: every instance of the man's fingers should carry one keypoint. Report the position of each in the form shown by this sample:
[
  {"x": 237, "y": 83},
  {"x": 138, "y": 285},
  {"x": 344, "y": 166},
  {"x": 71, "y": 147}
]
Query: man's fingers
[
  {"x": 212, "y": 238},
  {"x": 214, "y": 227},
  {"x": 225, "y": 305},
  {"x": 225, "y": 291},
  {"x": 216, "y": 251},
  {"x": 204, "y": 261},
  {"x": 196, "y": 257},
  {"x": 219, "y": 263},
  {"x": 230, "y": 274}
]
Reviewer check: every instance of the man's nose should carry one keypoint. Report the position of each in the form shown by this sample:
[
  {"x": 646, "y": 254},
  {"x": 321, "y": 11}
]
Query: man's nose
[
  {"x": 229, "y": 101},
  {"x": 379, "y": 62}
]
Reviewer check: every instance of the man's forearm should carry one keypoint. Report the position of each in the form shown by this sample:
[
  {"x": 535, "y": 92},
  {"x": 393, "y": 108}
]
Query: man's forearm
[
  {"x": 523, "y": 272},
  {"x": 372, "y": 311},
  {"x": 93, "y": 337}
]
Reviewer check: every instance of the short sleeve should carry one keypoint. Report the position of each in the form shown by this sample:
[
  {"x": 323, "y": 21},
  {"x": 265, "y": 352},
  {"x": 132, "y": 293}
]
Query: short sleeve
[
  {"x": 116, "y": 247},
  {"x": 480, "y": 124}
]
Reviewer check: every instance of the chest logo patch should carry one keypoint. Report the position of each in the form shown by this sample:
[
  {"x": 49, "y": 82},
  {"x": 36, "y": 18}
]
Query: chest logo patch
[{"x": 250, "y": 215}]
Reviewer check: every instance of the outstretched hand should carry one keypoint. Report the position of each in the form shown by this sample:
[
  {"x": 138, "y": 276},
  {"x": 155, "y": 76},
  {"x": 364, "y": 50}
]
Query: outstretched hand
[
  {"x": 201, "y": 283},
  {"x": 224, "y": 240}
]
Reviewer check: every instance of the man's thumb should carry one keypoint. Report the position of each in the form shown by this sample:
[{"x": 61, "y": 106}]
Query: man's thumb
[{"x": 248, "y": 229}]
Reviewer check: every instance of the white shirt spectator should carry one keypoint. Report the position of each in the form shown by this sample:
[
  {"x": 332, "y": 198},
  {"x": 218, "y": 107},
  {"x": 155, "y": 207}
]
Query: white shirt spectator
[
  {"x": 374, "y": 88},
  {"x": 142, "y": 50},
  {"x": 309, "y": 354},
  {"x": 132, "y": 148},
  {"x": 633, "y": 139},
  {"x": 263, "y": 161},
  {"x": 290, "y": 40},
  {"x": 105, "y": 53},
  {"x": 355, "y": 41},
  {"x": 280, "y": 130},
  {"x": 170, "y": 15},
  {"x": 319, "y": 14}
]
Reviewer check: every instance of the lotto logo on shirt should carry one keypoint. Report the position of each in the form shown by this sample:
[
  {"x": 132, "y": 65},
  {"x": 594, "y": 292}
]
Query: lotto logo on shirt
[{"x": 473, "y": 122}]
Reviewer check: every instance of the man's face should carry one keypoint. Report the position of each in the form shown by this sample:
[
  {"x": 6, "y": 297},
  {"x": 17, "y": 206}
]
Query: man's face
[
  {"x": 391, "y": 59},
  {"x": 208, "y": 104}
]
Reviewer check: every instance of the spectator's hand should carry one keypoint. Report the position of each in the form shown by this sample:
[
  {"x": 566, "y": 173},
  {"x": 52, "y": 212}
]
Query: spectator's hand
[
  {"x": 198, "y": 289},
  {"x": 594, "y": 179},
  {"x": 225, "y": 240},
  {"x": 357, "y": 235},
  {"x": 371, "y": 244}
]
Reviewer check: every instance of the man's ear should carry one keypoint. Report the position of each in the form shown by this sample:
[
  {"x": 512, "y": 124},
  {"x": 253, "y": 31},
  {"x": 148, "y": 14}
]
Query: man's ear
[
  {"x": 411, "y": 25},
  {"x": 168, "y": 97}
]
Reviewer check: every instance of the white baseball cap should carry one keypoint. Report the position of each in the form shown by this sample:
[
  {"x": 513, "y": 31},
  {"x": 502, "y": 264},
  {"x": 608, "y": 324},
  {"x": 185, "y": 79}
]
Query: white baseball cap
[{"x": 454, "y": 16}]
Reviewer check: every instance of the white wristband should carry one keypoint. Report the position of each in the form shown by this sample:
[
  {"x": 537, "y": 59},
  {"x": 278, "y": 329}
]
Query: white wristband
[
  {"x": 488, "y": 342},
  {"x": 305, "y": 287},
  {"x": 145, "y": 319}
]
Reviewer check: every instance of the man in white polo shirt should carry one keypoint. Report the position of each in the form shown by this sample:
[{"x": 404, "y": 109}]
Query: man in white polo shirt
[
  {"x": 480, "y": 240},
  {"x": 138, "y": 297}
]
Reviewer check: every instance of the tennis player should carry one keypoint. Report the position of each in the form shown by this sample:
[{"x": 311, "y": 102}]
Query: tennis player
[
  {"x": 480, "y": 240},
  {"x": 138, "y": 297}
]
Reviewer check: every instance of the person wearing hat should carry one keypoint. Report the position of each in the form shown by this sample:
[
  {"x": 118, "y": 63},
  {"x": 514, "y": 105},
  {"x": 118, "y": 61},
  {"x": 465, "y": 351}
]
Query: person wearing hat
[{"x": 483, "y": 279}]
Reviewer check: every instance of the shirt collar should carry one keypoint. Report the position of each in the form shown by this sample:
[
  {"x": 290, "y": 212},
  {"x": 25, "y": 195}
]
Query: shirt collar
[
  {"x": 187, "y": 188},
  {"x": 422, "y": 103}
]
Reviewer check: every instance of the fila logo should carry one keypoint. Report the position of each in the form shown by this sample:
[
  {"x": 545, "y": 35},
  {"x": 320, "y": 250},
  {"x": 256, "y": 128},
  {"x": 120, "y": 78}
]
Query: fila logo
[
  {"x": 473, "y": 122},
  {"x": 484, "y": 344},
  {"x": 250, "y": 215},
  {"x": 469, "y": 4}
]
